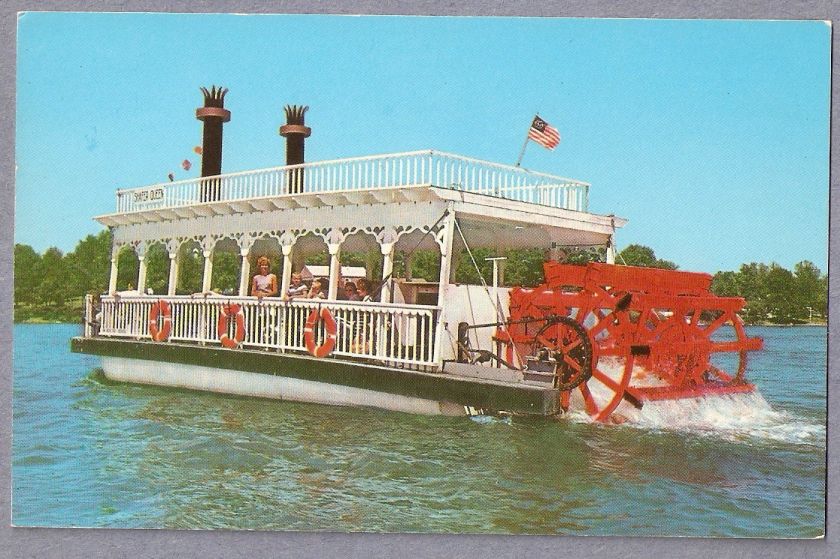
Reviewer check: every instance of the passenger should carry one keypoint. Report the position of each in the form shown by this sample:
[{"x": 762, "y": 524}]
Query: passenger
[
  {"x": 316, "y": 291},
  {"x": 350, "y": 292},
  {"x": 363, "y": 342},
  {"x": 96, "y": 308},
  {"x": 264, "y": 284},
  {"x": 297, "y": 289},
  {"x": 364, "y": 289},
  {"x": 129, "y": 290}
]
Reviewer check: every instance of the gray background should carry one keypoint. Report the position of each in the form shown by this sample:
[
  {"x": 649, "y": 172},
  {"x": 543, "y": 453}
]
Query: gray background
[{"x": 29, "y": 542}]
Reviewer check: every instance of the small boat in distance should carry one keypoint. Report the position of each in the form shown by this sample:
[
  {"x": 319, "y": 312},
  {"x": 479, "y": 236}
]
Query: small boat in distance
[{"x": 599, "y": 338}]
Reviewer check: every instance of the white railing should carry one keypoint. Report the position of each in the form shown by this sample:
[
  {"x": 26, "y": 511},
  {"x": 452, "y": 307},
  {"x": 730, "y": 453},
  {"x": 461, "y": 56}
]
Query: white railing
[
  {"x": 420, "y": 168},
  {"x": 391, "y": 334}
]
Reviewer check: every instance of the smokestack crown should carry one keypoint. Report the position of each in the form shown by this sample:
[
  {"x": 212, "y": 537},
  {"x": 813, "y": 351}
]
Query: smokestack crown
[
  {"x": 215, "y": 97},
  {"x": 294, "y": 122},
  {"x": 214, "y": 103}
]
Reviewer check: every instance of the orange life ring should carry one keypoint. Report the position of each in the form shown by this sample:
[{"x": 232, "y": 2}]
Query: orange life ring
[
  {"x": 224, "y": 320},
  {"x": 160, "y": 309},
  {"x": 309, "y": 332}
]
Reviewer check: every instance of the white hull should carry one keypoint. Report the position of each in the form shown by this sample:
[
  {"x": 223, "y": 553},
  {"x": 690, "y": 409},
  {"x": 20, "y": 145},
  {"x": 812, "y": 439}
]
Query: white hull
[{"x": 241, "y": 383}]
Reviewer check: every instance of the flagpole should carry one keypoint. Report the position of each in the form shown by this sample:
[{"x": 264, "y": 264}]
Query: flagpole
[
  {"x": 525, "y": 143},
  {"x": 522, "y": 153}
]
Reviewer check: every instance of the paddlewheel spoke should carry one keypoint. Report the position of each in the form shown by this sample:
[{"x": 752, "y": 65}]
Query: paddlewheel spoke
[
  {"x": 589, "y": 401},
  {"x": 572, "y": 363},
  {"x": 607, "y": 381},
  {"x": 602, "y": 325},
  {"x": 564, "y": 400},
  {"x": 572, "y": 345}
]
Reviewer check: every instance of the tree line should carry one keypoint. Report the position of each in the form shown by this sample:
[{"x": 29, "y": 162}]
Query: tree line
[{"x": 51, "y": 286}]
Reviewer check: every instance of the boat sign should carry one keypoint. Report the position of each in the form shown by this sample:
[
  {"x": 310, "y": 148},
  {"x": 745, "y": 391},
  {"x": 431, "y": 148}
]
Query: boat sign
[{"x": 147, "y": 197}]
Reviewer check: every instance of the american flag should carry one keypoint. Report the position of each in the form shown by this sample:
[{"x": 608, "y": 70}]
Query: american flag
[{"x": 543, "y": 133}]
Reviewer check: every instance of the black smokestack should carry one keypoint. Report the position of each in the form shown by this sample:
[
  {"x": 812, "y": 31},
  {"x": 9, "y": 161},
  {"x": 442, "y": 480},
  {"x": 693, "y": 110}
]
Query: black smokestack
[
  {"x": 295, "y": 132},
  {"x": 213, "y": 114}
]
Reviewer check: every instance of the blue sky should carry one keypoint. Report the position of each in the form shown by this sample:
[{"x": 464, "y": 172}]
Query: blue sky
[{"x": 711, "y": 137}]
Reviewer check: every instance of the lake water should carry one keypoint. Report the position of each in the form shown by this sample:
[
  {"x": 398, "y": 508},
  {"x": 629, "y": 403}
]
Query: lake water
[{"x": 88, "y": 452}]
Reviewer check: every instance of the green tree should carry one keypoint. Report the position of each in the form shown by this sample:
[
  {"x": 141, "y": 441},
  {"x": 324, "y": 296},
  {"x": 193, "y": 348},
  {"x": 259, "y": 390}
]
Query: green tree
[
  {"x": 810, "y": 287},
  {"x": 524, "y": 267},
  {"x": 27, "y": 274},
  {"x": 583, "y": 256},
  {"x": 466, "y": 272},
  {"x": 370, "y": 260},
  {"x": 752, "y": 281},
  {"x": 52, "y": 288},
  {"x": 726, "y": 284},
  {"x": 157, "y": 268},
  {"x": 640, "y": 255},
  {"x": 128, "y": 266},
  {"x": 226, "y": 267},
  {"x": 425, "y": 264},
  {"x": 781, "y": 299},
  {"x": 88, "y": 266},
  {"x": 190, "y": 269}
]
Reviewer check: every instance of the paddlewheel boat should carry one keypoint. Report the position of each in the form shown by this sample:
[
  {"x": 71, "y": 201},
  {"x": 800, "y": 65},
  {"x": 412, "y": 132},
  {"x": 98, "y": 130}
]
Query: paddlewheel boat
[{"x": 602, "y": 339}]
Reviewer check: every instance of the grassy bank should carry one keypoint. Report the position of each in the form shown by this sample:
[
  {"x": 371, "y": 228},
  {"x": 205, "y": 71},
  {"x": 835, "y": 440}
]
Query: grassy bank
[{"x": 42, "y": 314}]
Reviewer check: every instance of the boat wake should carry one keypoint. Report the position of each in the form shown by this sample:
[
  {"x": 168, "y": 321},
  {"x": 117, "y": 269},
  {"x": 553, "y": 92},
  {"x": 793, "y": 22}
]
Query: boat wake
[
  {"x": 735, "y": 417},
  {"x": 491, "y": 419}
]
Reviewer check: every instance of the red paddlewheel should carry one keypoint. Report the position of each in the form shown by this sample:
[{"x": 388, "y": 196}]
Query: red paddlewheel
[{"x": 666, "y": 324}]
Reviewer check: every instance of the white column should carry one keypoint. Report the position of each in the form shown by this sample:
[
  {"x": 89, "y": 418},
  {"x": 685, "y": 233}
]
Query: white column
[
  {"x": 244, "y": 273},
  {"x": 335, "y": 269},
  {"x": 112, "y": 283},
  {"x": 287, "y": 269},
  {"x": 173, "y": 273},
  {"x": 611, "y": 250},
  {"x": 208, "y": 270},
  {"x": 387, "y": 268},
  {"x": 445, "y": 241},
  {"x": 610, "y": 239},
  {"x": 141, "y": 274}
]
